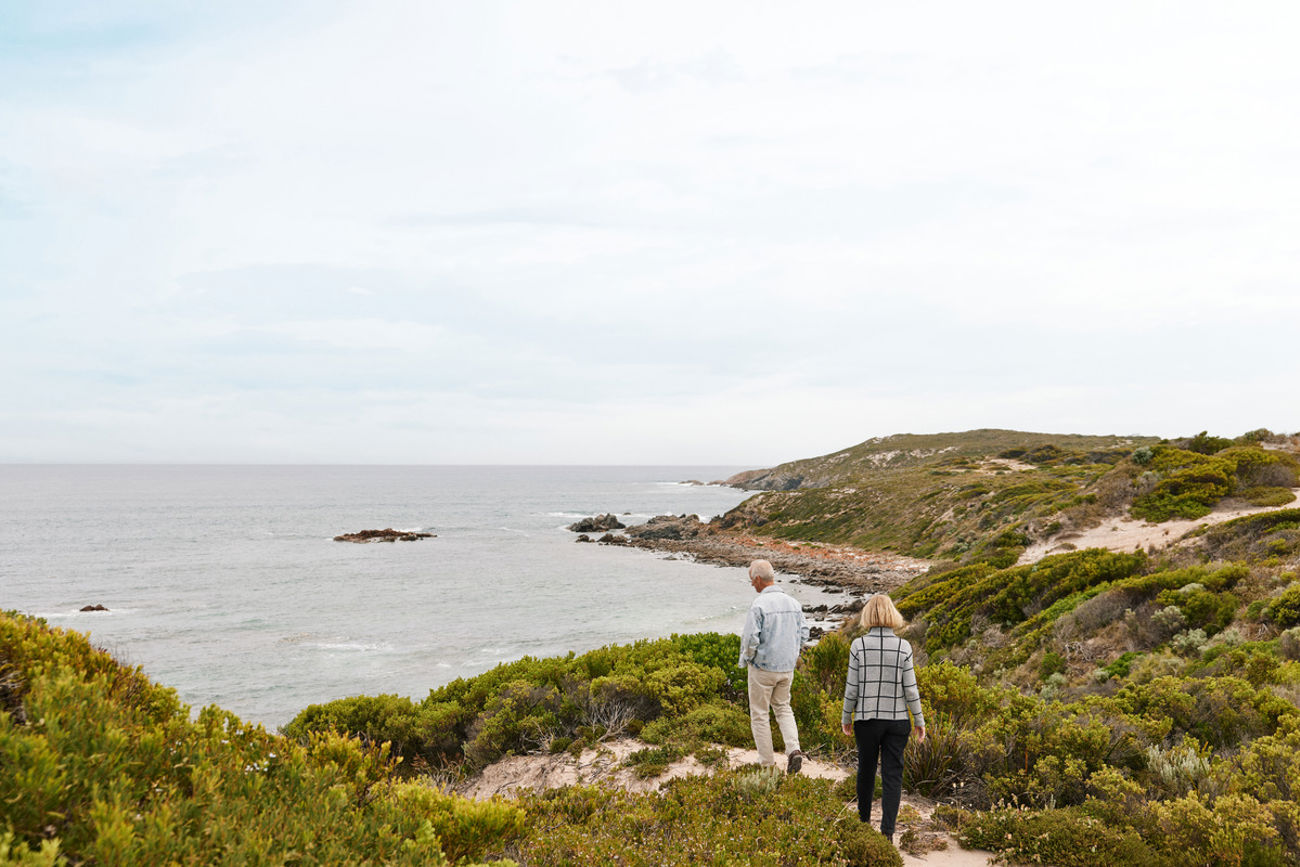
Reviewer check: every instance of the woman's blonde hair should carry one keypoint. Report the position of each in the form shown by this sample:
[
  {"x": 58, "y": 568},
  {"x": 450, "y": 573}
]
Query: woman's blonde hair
[{"x": 880, "y": 611}]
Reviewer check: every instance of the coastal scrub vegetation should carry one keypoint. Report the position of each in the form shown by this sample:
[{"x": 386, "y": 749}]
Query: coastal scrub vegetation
[
  {"x": 1126, "y": 708},
  {"x": 733, "y": 817},
  {"x": 98, "y": 765},
  {"x": 985, "y": 496},
  {"x": 1094, "y": 707}
]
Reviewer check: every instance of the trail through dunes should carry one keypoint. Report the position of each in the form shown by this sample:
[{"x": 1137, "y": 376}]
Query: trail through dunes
[
  {"x": 1127, "y": 534},
  {"x": 605, "y": 765}
]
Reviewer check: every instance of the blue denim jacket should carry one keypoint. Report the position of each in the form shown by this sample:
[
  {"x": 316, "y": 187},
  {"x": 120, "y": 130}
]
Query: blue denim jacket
[{"x": 775, "y": 632}]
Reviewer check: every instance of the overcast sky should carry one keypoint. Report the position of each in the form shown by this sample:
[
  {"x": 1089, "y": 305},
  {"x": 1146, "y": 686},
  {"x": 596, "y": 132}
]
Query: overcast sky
[{"x": 618, "y": 232}]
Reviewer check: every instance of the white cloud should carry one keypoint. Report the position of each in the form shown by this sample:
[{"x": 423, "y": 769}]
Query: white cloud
[{"x": 719, "y": 232}]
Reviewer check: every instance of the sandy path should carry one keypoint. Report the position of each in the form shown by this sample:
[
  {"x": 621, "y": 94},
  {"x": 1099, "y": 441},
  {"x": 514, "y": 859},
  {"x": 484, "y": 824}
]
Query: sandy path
[
  {"x": 1128, "y": 534},
  {"x": 604, "y": 765}
]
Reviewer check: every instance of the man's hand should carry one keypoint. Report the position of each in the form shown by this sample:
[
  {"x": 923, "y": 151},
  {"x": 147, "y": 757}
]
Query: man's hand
[{"x": 920, "y": 733}]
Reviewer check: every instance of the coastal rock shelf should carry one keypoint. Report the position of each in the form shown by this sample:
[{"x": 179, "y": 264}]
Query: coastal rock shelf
[
  {"x": 597, "y": 524},
  {"x": 387, "y": 535},
  {"x": 833, "y": 566}
]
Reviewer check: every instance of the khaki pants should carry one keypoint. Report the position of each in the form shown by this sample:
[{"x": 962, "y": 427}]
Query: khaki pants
[{"x": 771, "y": 689}]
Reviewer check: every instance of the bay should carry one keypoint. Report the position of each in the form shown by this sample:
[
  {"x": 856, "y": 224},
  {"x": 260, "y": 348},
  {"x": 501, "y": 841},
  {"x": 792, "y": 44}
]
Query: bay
[{"x": 224, "y": 582}]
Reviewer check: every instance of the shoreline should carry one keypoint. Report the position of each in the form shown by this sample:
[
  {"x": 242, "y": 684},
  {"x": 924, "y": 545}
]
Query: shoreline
[{"x": 854, "y": 571}]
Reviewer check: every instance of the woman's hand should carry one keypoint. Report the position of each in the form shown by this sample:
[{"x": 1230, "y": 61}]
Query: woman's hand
[
  {"x": 920, "y": 733},
  {"x": 847, "y": 728}
]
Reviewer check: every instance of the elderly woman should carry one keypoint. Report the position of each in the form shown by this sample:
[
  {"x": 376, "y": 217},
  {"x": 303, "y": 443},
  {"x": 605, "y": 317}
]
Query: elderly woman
[{"x": 879, "y": 694}]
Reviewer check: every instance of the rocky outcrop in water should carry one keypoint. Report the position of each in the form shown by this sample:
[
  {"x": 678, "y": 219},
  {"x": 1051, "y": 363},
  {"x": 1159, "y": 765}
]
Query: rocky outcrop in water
[
  {"x": 387, "y": 535},
  {"x": 93, "y": 608},
  {"x": 669, "y": 527},
  {"x": 598, "y": 524}
]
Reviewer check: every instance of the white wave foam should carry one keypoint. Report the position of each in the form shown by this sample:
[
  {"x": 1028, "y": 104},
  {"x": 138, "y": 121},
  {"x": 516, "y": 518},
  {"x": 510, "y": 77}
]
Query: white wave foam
[
  {"x": 80, "y": 615},
  {"x": 351, "y": 646}
]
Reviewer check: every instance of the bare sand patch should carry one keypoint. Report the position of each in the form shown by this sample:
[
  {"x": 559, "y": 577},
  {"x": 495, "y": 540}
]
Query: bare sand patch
[{"x": 1129, "y": 534}]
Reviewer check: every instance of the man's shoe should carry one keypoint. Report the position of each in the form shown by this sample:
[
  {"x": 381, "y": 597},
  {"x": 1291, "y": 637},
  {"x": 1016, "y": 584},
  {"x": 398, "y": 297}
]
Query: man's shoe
[{"x": 794, "y": 762}]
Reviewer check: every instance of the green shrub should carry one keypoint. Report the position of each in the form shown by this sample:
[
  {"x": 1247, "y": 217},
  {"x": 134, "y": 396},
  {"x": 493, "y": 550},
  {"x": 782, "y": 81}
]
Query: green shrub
[
  {"x": 729, "y": 818},
  {"x": 715, "y": 723},
  {"x": 1267, "y": 495},
  {"x": 1262, "y": 468},
  {"x": 526, "y": 705},
  {"x": 1189, "y": 485},
  {"x": 1200, "y": 607},
  {"x": 1052, "y": 663},
  {"x": 425, "y": 732},
  {"x": 1285, "y": 609},
  {"x": 947, "y": 603},
  {"x": 108, "y": 768},
  {"x": 953, "y": 693},
  {"x": 1122, "y": 666},
  {"x": 1234, "y": 829},
  {"x": 1218, "y": 711},
  {"x": 653, "y": 761},
  {"x": 1065, "y": 837},
  {"x": 1207, "y": 445}
]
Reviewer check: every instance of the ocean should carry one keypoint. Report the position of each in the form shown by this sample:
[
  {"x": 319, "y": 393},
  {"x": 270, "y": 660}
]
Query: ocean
[{"x": 224, "y": 582}]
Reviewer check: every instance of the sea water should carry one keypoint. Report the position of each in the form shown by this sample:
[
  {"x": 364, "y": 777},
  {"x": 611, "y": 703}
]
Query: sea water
[{"x": 224, "y": 582}]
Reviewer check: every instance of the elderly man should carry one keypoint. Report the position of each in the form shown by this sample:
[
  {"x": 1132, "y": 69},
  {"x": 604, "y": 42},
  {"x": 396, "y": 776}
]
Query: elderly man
[{"x": 774, "y": 634}]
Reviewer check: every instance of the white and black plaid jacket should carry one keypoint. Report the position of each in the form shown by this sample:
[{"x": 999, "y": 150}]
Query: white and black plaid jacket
[{"x": 881, "y": 682}]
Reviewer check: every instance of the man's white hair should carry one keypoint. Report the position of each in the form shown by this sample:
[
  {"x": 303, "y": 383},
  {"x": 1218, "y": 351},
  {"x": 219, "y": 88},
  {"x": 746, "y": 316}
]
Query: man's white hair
[{"x": 762, "y": 569}]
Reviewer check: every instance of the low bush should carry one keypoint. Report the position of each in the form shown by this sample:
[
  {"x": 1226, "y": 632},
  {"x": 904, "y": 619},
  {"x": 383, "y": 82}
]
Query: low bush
[
  {"x": 947, "y": 603},
  {"x": 1189, "y": 485},
  {"x": 1285, "y": 609},
  {"x": 102, "y": 766},
  {"x": 524, "y": 706},
  {"x": 733, "y": 817},
  {"x": 1201, "y": 608},
  {"x": 1267, "y": 495},
  {"x": 1067, "y": 837},
  {"x": 715, "y": 723}
]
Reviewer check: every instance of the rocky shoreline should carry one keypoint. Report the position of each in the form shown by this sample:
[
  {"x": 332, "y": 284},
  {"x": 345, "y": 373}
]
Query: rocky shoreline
[{"x": 853, "y": 570}]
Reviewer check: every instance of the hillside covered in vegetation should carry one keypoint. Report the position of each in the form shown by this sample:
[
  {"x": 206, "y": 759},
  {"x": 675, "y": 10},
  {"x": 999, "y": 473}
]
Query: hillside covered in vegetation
[
  {"x": 989, "y": 494},
  {"x": 1094, "y": 707}
]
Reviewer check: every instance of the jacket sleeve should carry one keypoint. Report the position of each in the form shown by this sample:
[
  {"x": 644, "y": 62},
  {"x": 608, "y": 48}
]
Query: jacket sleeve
[
  {"x": 805, "y": 632},
  {"x": 910, "y": 692},
  {"x": 851, "y": 687},
  {"x": 749, "y": 637}
]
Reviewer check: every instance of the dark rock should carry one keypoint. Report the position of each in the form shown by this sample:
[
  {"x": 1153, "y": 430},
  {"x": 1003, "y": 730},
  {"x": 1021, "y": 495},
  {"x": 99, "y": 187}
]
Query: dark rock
[
  {"x": 387, "y": 535},
  {"x": 598, "y": 524},
  {"x": 583, "y": 538},
  {"x": 816, "y": 632},
  {"x": 612, "y": 539},
  {"x": 93, "y": 608},
  {"x": 669, "y": 527}
]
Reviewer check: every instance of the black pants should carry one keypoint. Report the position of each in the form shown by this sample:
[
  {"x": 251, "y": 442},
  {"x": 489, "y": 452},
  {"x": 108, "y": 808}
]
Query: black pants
[{"x": 881, "y": 740}]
